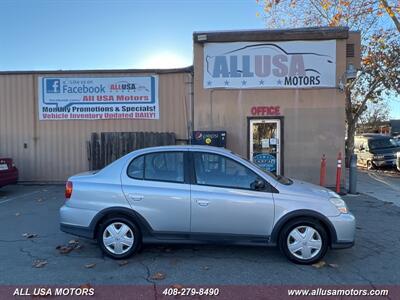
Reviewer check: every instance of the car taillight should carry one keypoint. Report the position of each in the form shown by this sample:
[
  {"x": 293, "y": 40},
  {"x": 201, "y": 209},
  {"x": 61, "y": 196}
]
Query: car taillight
[{"x": 68, "y": 190}]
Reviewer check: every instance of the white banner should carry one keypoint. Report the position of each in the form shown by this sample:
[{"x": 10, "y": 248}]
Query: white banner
[
  {"x": 94, "y": 98},
  {"x": 249, "y": 65}
]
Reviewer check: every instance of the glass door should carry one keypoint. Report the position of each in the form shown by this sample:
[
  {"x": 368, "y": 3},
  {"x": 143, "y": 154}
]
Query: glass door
[{"x": 265, "y": 135}]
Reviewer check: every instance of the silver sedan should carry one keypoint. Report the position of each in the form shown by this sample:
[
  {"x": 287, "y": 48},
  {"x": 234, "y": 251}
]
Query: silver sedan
[{"x": 200, "y": 194}]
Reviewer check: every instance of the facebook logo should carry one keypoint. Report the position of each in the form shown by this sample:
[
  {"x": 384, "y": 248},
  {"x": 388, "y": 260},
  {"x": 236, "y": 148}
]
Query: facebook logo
[{"x": 53, "y": 85}]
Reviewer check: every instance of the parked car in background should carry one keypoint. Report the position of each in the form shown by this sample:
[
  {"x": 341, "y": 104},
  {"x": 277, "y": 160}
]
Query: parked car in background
[
  {"x": 396, "y": 139},
  {"x": 375, "y": 150},
  {"x": 8, "y": 172},
  {"x": 202, "y": 194}
]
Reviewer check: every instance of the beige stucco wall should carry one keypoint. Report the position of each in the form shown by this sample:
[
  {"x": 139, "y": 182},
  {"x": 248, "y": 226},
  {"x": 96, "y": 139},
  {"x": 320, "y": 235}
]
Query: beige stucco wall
[
  {"x": 314, "y": 119},
  {"x": 57, "y": 149}
]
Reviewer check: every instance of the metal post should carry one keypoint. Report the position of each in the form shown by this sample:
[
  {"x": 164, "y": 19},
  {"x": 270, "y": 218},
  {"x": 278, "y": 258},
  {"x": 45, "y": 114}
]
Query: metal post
[{"x": 353, "y": 174}]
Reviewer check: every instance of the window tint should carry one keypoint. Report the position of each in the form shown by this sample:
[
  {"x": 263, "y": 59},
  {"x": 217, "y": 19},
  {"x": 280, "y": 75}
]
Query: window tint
[
  {"x": 217, "y": 170},
  {"x": 135, "y": 169},
  {"x": 164, "y": 166}
]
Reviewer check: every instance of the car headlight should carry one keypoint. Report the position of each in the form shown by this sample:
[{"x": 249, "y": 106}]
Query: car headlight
[
  {"x": 379, "y": 156},
  {"x": 398, "y": 154},
  {"x": 340, "y": 204}
]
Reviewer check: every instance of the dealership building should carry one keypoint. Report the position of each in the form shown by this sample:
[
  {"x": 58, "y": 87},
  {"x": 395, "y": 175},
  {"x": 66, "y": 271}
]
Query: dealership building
[{"x": 273, "y": 96}]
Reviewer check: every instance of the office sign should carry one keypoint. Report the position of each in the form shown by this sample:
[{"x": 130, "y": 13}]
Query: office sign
[
  {"x": 263, "y": 65},
  {"x": 97, "y": 98}
]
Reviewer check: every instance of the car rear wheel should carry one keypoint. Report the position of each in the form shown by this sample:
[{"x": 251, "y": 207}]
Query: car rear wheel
[
  {"x": 303, "y": 241},
  {"x": 119, "y": 237}
]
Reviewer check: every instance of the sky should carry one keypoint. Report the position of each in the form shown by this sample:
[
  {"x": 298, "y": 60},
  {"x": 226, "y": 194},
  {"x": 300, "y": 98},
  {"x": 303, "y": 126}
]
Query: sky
[{"x": 115, "y": 34}]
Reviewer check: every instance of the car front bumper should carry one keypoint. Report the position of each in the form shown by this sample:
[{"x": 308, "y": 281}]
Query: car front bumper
[
  {"x": 385, "y": 162},
  {"x": 345, "y": 227}
]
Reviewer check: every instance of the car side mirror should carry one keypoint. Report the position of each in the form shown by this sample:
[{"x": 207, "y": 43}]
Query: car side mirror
[{"x": 258, "y": 185}]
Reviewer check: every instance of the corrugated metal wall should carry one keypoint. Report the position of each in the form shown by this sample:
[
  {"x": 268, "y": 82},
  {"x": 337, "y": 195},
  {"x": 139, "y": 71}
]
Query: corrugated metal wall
[{"x": 54, "y": 150}]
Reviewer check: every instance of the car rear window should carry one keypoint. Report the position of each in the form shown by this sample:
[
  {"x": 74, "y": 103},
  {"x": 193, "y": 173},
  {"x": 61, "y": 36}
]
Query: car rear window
[{"x": 159, "y": 166}]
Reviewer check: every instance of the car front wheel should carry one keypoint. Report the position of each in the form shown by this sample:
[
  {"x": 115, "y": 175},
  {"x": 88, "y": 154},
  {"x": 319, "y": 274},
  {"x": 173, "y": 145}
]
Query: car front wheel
[
  {"x": 119, "y": 237},
  {"x": 303, "y": 241}
]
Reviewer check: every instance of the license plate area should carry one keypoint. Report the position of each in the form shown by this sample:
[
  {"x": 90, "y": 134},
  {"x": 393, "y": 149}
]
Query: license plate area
[{"x": 3, "y": 167}]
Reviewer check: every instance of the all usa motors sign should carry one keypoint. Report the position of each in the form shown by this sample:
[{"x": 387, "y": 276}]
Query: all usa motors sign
[
  {"x": 249, "y": 65},
  {"x": 94, "y": 98}
]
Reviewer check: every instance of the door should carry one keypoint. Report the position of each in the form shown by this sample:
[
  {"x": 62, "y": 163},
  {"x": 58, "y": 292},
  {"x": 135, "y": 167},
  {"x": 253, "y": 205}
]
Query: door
[
  {"x": 265, "y": 144},
  {"x": 225, "y": 200},
  {"x": 156, "y": 187}
]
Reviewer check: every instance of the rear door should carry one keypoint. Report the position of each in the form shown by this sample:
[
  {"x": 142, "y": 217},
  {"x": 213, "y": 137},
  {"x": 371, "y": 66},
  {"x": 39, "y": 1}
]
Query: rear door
[
  {"x": 156, "y": 186},
  {"x": 224, "y": 199}
]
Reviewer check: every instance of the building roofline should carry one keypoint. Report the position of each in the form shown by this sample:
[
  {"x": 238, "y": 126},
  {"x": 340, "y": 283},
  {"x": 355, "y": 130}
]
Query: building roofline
[
  {"x": 101, "y": 71},
  {"x": 306, "y": 33}
]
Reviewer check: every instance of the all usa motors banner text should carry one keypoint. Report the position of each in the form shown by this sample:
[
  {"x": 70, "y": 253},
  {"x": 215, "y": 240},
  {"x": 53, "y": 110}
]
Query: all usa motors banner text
[{"x": 96, "y": 98}]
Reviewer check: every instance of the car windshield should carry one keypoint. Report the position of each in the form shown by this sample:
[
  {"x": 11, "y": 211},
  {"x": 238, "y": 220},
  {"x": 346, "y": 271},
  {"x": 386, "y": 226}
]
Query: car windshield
[
  {"x": 281, "y": 179},
  {"x": 381, "y": 143}
]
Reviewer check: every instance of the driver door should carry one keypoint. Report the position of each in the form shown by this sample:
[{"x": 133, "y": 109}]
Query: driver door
[{"x": 224, "y": 200}]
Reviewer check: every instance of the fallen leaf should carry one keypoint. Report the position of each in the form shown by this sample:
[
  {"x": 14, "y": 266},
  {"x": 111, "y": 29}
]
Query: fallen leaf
[
  {"x": 39, "y": 200},
  {"x": 177, "y": 286},
  {"x": 158, "y": 276},
  {"x": 122, "y": 263},
  {"x": 17, "y": 214},
  {"x": 90, "y": 266},
  {"x": 206, "y": 268},
  {"x": 39, "y": 263},
  {"x": 64, "y": 249},
  {"x": 29, "y": 235},
  {"x": 333, "y": 265},
  {"x": 85, "y": 286},
  {"x": 319, "y": 264}
]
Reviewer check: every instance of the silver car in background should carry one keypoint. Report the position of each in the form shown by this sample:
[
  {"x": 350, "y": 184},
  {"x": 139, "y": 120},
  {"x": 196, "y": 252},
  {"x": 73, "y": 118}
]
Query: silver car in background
[{"x": 201, "y": 194}]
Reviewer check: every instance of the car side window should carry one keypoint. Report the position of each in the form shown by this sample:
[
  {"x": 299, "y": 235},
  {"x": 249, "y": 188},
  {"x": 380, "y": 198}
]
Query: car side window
[
  {"x": 135, "y": 169},
  {"x": 164, "y": 166},
  {"x": 217, "y": 170}
]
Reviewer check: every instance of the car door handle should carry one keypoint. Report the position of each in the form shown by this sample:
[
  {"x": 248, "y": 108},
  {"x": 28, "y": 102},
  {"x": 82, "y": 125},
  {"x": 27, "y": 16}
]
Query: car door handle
[
  {"x": 134, "y": 197},
  {"x": 202, "y": 202}
]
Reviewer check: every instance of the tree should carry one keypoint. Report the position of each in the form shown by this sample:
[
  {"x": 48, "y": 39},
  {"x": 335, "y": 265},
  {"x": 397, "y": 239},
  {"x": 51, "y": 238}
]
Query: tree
[
  {"x": 380, "y": 65},
  {"x": 375, "y": 115}
]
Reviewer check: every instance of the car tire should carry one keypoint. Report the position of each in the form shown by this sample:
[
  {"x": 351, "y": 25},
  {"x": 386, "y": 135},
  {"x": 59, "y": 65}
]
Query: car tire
[
  {"x": 119, "y": 237},
  {"x": 303, "y": 241},
  {"x": 370, "y": 165}
]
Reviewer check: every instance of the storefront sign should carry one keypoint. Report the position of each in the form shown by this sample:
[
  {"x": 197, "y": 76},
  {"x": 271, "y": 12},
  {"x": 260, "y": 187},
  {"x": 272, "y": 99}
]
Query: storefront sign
[
  {"x": 278, "y": 65},
  {"x": 265, "y": 110},
  {"x": 94, "y": 98}
]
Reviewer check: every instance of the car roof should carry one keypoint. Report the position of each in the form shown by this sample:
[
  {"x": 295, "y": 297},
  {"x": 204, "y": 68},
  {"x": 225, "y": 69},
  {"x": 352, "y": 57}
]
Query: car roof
[{"x": 187, "y": 147}]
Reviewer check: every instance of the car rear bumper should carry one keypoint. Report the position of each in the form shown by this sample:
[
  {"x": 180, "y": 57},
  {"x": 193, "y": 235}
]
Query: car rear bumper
[
  {"x": 77, "y": 221},
  {"x": 345, "y": 227},
  {"x": 8, "y": 177},
  {"x": 85, "y": 232}
]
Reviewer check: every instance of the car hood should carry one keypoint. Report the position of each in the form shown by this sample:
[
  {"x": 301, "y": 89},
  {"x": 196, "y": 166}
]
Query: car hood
[{"x": 302, "y": 187}]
